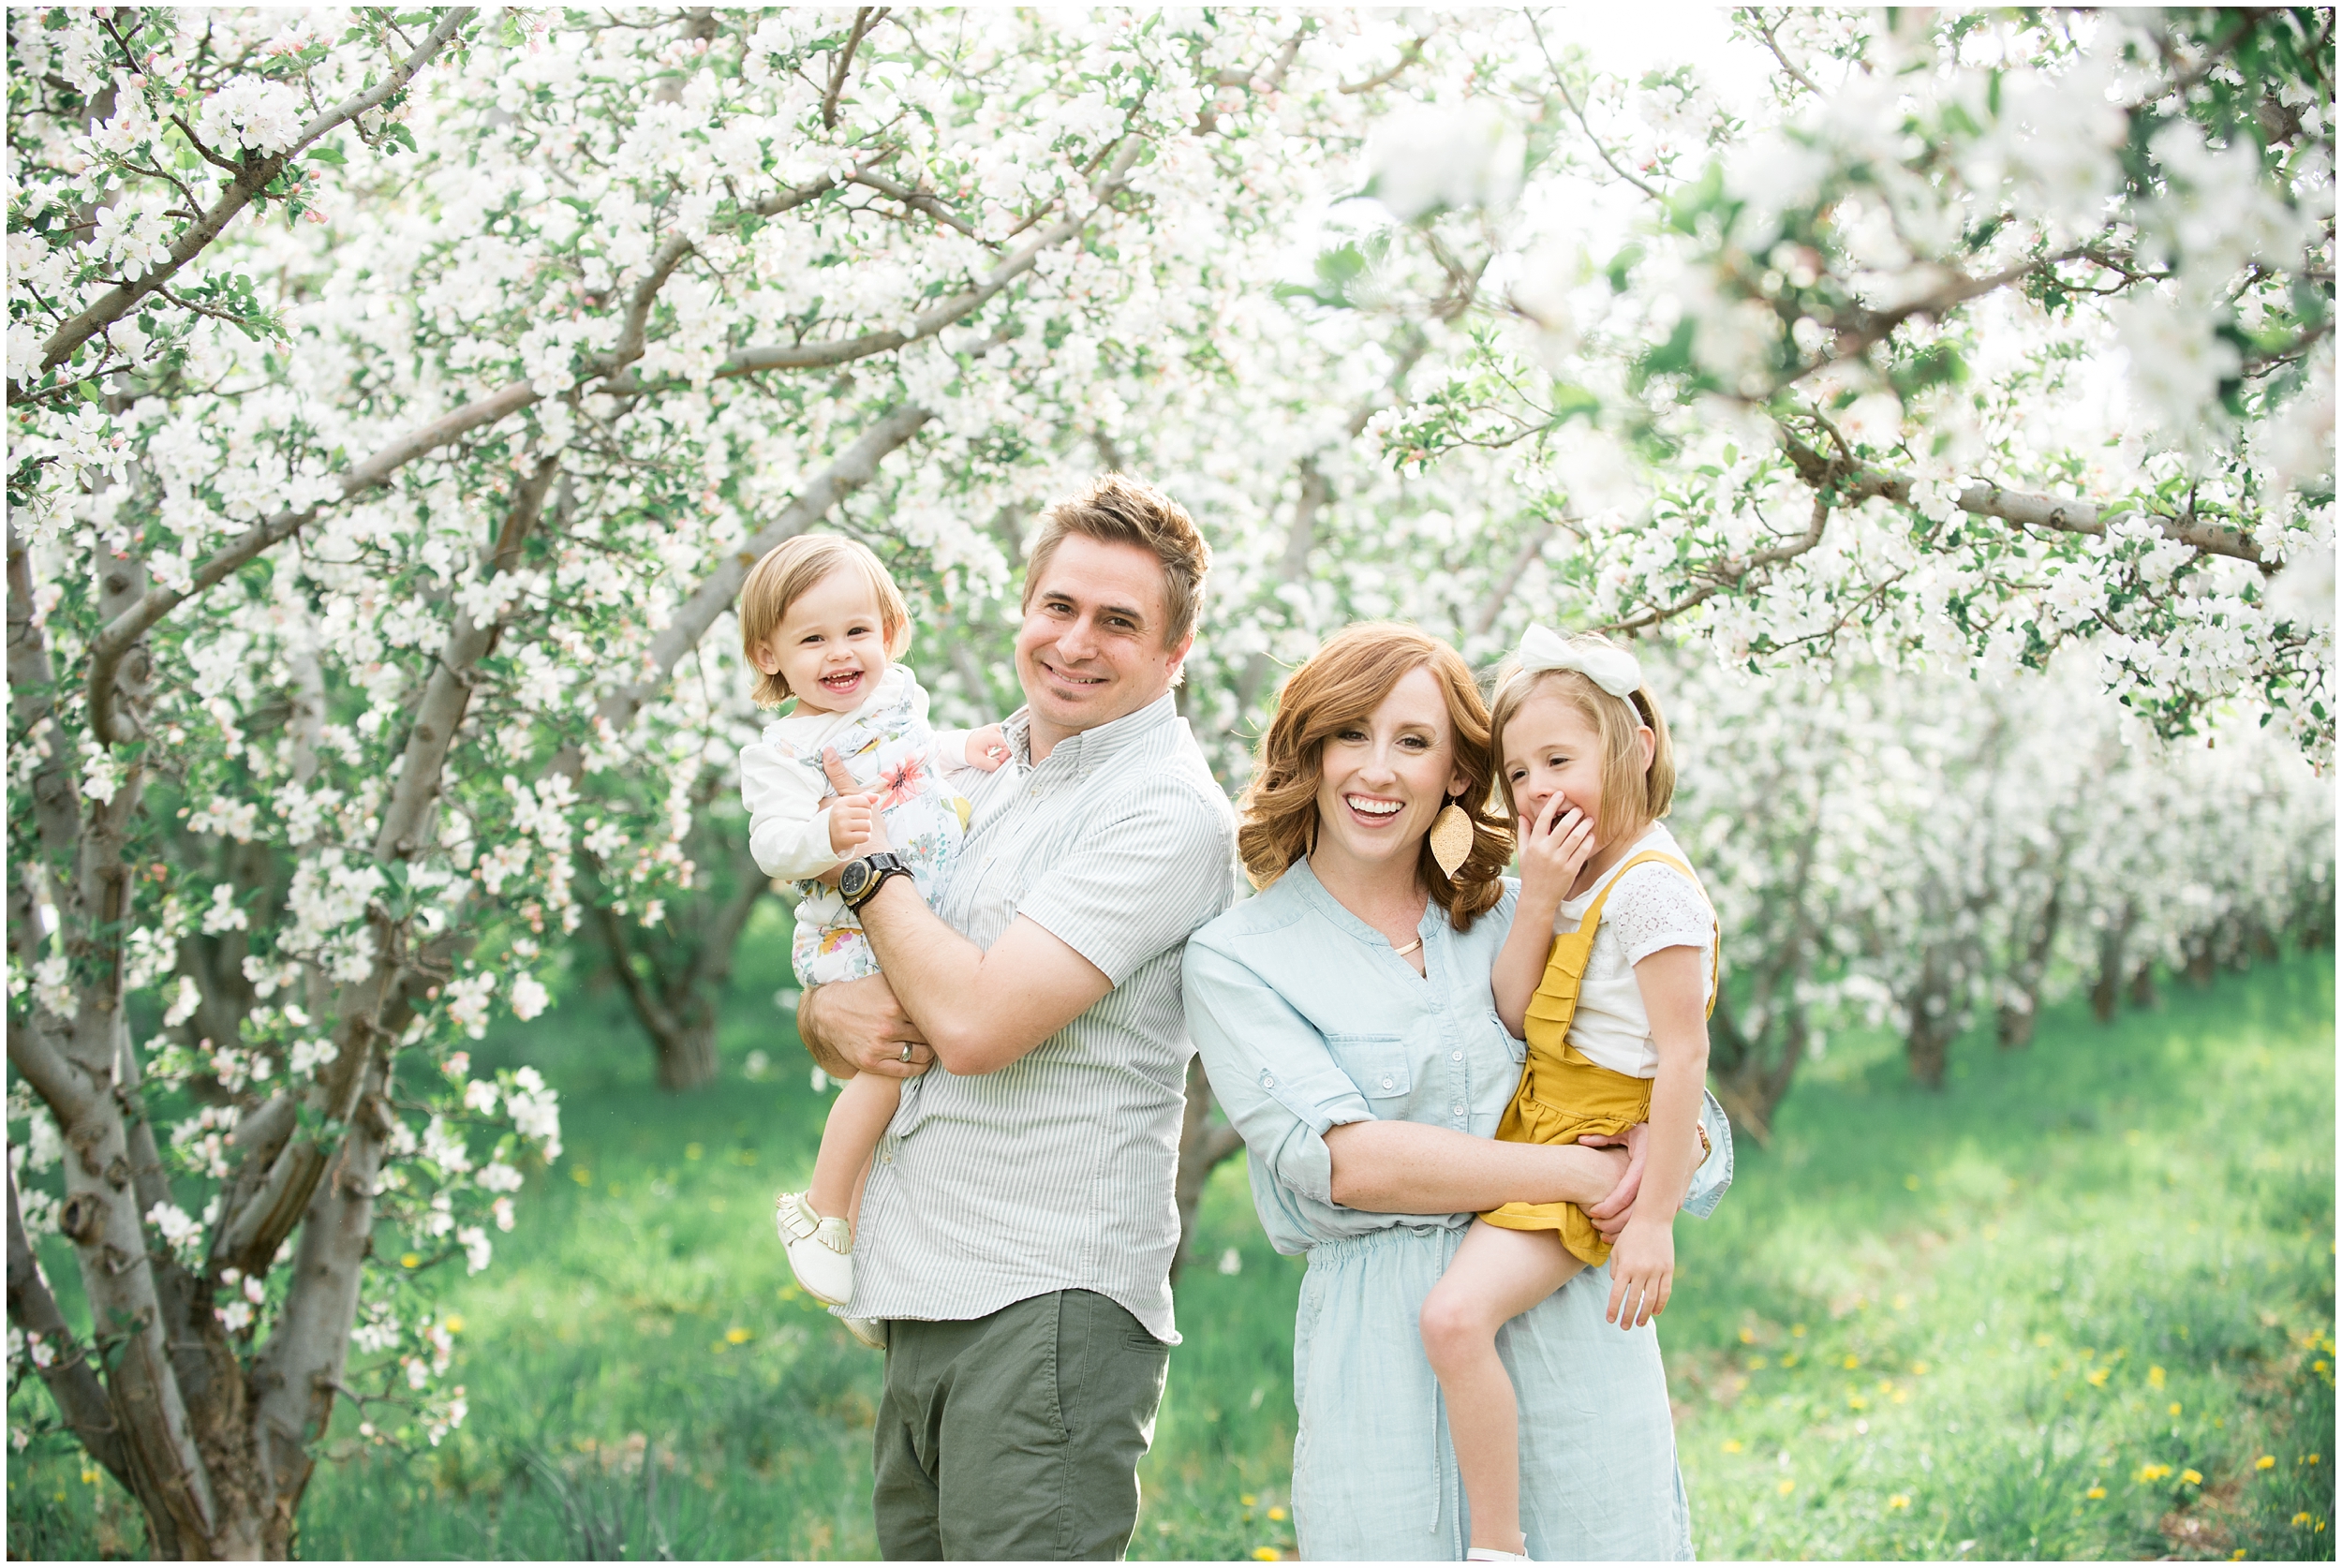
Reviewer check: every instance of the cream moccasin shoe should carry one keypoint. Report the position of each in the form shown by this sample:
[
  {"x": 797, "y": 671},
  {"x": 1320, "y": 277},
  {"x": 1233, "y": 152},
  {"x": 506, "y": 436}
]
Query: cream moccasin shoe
[{"x": 820, "y": 1251}]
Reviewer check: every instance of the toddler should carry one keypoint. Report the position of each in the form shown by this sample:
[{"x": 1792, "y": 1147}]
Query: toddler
[
  {"x": 824, "y": 622},
  {"x": 1608, "y": 975}
]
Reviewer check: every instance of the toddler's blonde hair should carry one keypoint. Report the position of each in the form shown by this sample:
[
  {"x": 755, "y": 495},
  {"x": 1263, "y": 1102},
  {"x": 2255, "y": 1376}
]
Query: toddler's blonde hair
[
  {"x": 787, "y": 573},
  {"x": 1633, "y": 796}
]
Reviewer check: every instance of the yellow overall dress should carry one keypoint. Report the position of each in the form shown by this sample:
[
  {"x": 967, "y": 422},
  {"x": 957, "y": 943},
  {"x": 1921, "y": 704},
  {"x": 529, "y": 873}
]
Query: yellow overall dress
[{"x": 1564, "y": 1094}]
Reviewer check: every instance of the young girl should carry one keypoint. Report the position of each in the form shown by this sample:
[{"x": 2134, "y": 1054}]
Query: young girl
[
  {"x": 1608, "y": 973},
  {"x": 824, "y": 622}
]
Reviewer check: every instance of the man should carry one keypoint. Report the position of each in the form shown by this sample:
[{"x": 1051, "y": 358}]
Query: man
[{"x": 1018, "y": 1223}]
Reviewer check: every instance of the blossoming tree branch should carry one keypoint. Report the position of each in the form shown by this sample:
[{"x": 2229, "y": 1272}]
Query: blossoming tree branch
[{"x": 397, "y": 398}]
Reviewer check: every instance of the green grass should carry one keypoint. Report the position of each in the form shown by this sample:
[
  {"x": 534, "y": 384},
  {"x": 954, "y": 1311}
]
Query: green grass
[{"x": 2007, "y": 1265}]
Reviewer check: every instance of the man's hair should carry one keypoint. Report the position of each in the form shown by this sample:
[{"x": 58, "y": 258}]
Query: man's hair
[
  {"x": 1342, "y": 683},
  {"x": 1119, "y": 510},
  {"x": 786, "y": 573}
]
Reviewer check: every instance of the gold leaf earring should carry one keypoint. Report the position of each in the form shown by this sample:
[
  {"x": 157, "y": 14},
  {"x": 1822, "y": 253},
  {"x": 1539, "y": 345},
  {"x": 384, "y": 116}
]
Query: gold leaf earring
[{"x": 1451, "y": 837}]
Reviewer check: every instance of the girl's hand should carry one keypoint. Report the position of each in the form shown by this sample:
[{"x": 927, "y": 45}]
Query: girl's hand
[
  {"x": 1642, "y": 1272},
  {"x": 1553, "y": 849},
  {"x": 854, "y": 811},
  {"x": 987, "y": 748}
]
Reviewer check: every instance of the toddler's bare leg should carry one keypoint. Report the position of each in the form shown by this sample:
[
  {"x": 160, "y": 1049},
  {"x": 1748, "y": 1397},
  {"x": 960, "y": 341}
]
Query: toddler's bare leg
[
  {"x": 856, "y": 1123},
  {"x": 1497, "y": 1275}
]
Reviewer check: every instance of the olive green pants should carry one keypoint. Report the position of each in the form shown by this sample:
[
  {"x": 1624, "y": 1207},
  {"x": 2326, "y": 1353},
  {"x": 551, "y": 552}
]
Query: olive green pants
[{"x": 1017, "y": 1435}]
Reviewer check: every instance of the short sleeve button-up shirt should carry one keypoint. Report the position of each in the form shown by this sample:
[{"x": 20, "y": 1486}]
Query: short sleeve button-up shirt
[{"x": 1056, "y": 1171}]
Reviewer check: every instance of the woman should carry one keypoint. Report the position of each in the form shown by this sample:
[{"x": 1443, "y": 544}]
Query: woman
[{"x": 1345, "y": 1018}]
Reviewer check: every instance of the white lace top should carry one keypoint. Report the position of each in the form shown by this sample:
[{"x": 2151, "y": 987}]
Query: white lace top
[{"x": 1653, "y": 907}]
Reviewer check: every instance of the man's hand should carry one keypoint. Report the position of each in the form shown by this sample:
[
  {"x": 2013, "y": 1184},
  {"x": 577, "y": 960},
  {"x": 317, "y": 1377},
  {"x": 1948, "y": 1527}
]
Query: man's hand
[
  {"x": 854, "y": 810},
  {"x": 856, "y": 1026},
  {"x": 987, "y": 748},
  {"x": 1642, "y": 1273}
]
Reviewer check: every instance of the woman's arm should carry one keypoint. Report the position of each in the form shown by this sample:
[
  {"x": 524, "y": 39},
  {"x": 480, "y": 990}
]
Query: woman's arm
[
  {"x": 1408, "y": 1167},
  {"x": 1642, "y": 1265}
]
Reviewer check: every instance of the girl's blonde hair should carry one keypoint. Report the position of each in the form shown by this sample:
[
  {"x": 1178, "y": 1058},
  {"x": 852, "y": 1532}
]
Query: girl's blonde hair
[
  {"x": 786, "y": 573},
  {"x": 1342, "y": 683},
  {"x": 1633, "y": 796}
]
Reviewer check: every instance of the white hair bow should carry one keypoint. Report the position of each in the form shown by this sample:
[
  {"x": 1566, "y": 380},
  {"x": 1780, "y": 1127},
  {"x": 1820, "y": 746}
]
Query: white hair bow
[{"x": 1612, "y": 669}]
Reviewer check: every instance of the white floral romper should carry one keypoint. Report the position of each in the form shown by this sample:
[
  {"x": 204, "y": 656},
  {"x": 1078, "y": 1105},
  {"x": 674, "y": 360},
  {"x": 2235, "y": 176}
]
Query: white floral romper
[{"x": 891, "y": 750}]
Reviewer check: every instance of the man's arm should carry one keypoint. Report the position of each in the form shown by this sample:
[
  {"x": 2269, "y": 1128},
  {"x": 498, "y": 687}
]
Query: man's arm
[{"x": 979, "y": 1010}]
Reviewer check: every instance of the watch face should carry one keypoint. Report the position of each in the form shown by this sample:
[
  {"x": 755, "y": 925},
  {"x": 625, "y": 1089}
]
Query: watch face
[{"x": 854, "y": 878}]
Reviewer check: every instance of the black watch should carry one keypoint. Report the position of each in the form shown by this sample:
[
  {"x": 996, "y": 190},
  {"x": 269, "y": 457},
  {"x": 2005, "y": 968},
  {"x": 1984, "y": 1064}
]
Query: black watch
[{"x": 859, "y": 880}]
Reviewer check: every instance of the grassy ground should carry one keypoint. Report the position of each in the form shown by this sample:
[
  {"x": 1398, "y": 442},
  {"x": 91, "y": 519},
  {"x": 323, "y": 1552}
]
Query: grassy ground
[{"x": 2079, "y": 1305}]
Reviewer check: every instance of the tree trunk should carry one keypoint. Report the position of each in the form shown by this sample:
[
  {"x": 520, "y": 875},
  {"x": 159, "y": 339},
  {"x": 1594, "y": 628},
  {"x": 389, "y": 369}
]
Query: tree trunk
[
  {"x": 2106, "y": 991},
  {"x": 1202, "y": 1145},
  {"x": 687, "y": 1055},
  {"x": 2143, "y": 992},
  {"x": 2013, "y": 1026}
]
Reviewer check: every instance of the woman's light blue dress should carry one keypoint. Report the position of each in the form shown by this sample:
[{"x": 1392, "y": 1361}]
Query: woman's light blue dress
[{"x": 1306, "y": 1019}]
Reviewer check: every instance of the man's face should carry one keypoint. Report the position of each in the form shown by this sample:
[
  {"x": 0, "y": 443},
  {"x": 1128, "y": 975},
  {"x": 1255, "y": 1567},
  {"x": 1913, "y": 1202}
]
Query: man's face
[{"x": 1091, "y": 648}]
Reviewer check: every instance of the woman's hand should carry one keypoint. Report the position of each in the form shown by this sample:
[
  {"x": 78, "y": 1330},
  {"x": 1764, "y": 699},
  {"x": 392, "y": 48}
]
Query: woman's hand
[
  {"x": 1553, "y": 849},
  {"x": 1642, "y": 1272}
]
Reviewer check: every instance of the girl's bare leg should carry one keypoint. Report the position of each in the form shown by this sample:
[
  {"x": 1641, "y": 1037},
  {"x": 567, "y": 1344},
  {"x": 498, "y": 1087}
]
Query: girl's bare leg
[
  {"x": 1496, "y": 1275},
  {"x": 856, "y": 1123}
]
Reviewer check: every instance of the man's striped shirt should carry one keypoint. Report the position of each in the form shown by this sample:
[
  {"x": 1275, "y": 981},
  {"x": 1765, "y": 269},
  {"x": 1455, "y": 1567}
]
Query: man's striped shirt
[{"x": 1056, "y": 1171}]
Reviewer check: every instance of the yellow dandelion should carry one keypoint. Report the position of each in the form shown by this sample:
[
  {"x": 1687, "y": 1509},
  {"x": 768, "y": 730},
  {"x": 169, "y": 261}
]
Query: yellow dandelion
[
  {"x": 581, "y": 1176},
  {"x": 1919, "y": 1368},
  {"x": 1903, "y": 1303},
  {"x": 2193, "y": 1477},
  {"x": 2176, "y": 1407},
  {"x": 89, "y": 1475},
  {"x": 1856, "y": 1401},
  {"x": 2043, "y": 1341},
  {"x": 411, "y": 1260},
  {"x": 1911, "y": 1182},
  {"x": 1248, "y": 1499},
  {"x": 1748, "y": 1336},
  {"x": 2154, "y": 1472},
  {"x": 2096, "y": 1377},
  {"x": 1885, "y": 1385},
  {"x": 2311, "y": 1459},
  {"x": 1731, "y": 1445},
  {"x": 1797, "y": 1331},
  {"x": 2094, "y": 1493},
  {"x": 1852, "y": 1362},
  {"x": 1898, "y": 1500},
  {"x": 2237, "y": 1556},
  {"x": 737, "y": 1335},
  {"x": 2299, "y": 1519},
  {"x": 693, "y": 1151},
  {"x": 1278, "y": 1513},
  {"x": 1787, "y": 1488},
  {"x": 1266, "y": 1554},
  {"x": 1758, "y": 1363},
  {"x": 2155, "y": 1377},
  {"x": 2266, "y": 1461}
]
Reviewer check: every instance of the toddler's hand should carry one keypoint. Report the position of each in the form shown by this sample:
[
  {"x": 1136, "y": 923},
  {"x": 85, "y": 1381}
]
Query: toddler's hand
[
  {"x": 1553, "y": 849},
  {"x": 855, "y": 822},
  {"x": 850, "y": 820},
  {"x": 987, "y": 748},
  {"x": 1642, "y": 1273}
]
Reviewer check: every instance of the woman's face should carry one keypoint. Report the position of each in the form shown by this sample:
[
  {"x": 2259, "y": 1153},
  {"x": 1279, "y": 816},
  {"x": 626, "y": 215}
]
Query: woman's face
[{"x": 1385, "y": 777}]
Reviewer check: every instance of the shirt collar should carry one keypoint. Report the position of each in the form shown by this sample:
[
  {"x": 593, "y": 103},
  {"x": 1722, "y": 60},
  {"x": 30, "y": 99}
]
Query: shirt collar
[
  {"x": 1092, "y": 747},
  {"x": 1304, "y": 879}
]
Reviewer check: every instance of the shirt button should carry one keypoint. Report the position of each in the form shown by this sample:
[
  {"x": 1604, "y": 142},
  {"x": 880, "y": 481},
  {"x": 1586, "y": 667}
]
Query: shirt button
[
  {"x": 1459, "y": 1110},
  {"x": 1387, "y": 1080},
  {"x": 1267, "y": 1082},
  {"x": 1455, "y": 1056}
]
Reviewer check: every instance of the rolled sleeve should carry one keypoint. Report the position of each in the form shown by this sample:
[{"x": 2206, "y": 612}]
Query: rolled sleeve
[
  {"x": 1140, "y": 880},
  {"x": 1269, "y": 1071},
  {"x": 1715, "y": 1172}
]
